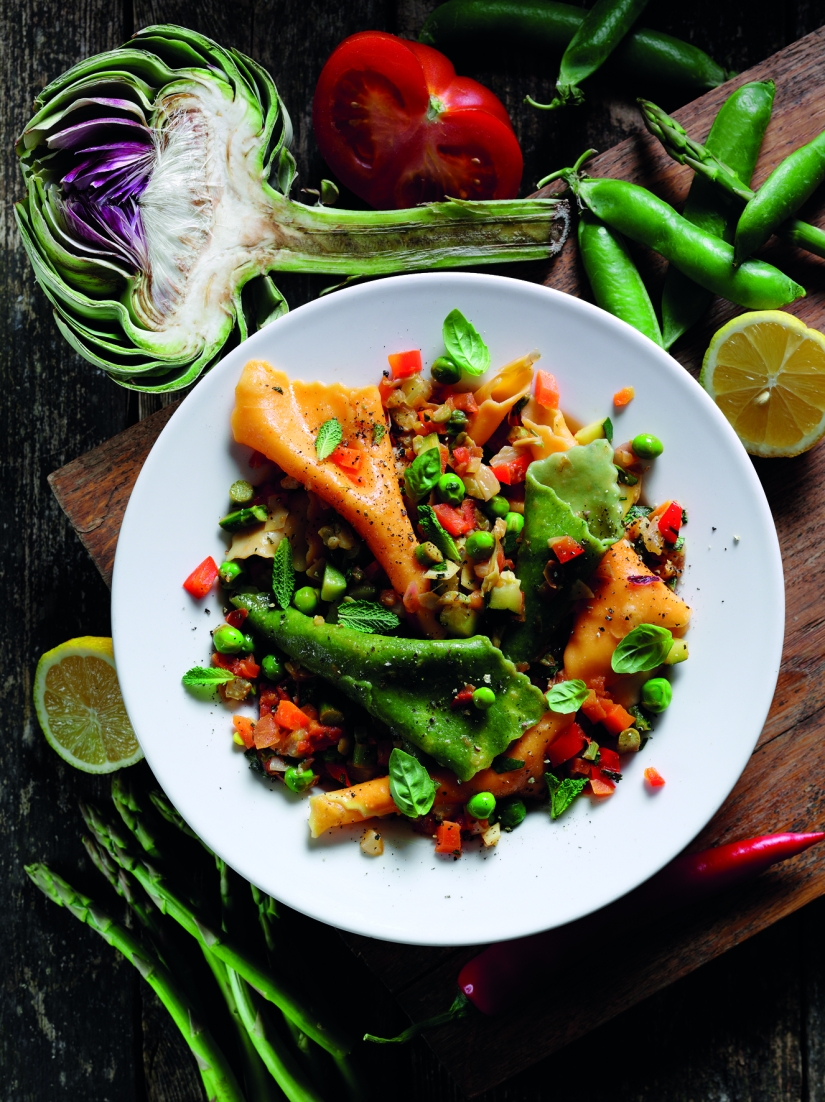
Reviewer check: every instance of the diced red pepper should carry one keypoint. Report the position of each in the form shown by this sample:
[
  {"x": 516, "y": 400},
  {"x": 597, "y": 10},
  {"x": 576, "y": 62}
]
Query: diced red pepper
[
  {"x": 570, "y": 743},
  {"x": 465, "y": 401},
  {"x": 600, "y": 784},
  {"x": 236, "y": 617},
  {"x": 458, "y": 522},
  {"x": 624, "y": 397},
  {"x": 202, "y": 578},
  {"x": 547, "y": 390},
  {"x": 671, "y": 521},
  {"x": 654, "y": 778},
  {"x": 578, "y": 767},
  {"x": 448, "y": 837},
  {"x": 246, "y": 729},
  {"x": 565, "y": 548},
  {"x": 290, "y": 716},
  {"x": 349, "y": 460},
  {"x": 405, "y": 364},
  {"x": 515, "y": 471},
  {"x": 338, "y": 773},
  {"x": 617, "y": 719},
  {"x": 463, "y": 696},
  {"x": 609, "y": 759}
]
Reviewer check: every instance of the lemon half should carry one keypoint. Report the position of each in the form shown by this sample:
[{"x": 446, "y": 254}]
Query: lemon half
[
  {"x": 766, "y": 372},
  {"x": 78, "y": 702}
]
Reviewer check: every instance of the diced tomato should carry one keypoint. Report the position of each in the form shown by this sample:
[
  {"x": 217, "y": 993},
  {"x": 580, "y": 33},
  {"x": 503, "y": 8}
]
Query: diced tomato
[
  {"x": 671, "y": 521},
  {"x": 385, "y": 388},
  {"x": 513, "y": 472},
  {"x": 617, "y": 719},
  {"x": 597, "y": 685},
  {"x": 624, "y": 397},
  {"x": 565, "y": 548},
  {"x": 349, "y": 460},
  {"x": 405, "y": 364},
  {"x": 202, "y": 578},
  {"x": 461, "y": 457},
  {"x": 241, "y": 667},
  {"x": 609, "y": 759},
  {"x": 268, "y": 700},
  {"x": 547, "y": 390},
  {"x": 463, "y": 696},
  {"x": 654, "y": 778},
  {"x": 246, "y": 729},
  {"x": 428, "y": 425},
  {"x": 448, "y": 837},
  {"x": 566, "y": 746},
  {"x": 458, "y": 522},
  {"x": 236, "y": 617},
  {"x": 600, "y": 784},
  {"x": 290, "y": 716},
  {"x": 267, "y": 732},
  {"x": 593, "y": 708},
  {"x": 465, "y": 401},
  {"x": 338, "y": 773}
]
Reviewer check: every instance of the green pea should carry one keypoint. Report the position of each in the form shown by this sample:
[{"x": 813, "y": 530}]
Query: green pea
[
  {"x": 657, "y": 694},
  {"x": 647, "y": 446},
  {"x": 445, "y": 370},
  {"x": 229, "y": 573},
  {"x": 248, "y": 644},
  {"x": 515, "y": 524},
  {"x": 306, "y": 600},
  {"x": 484, "y": 698},
  {"x": 457, "y": 422},
  {"x": 450, "y": 488},
  {"x": 479, "y": 545},
  {"x": 334, "y": 584},
  {"x": 297, "y": 779},
  {"x": 228, "y": 640},
  {"x": 497, "y": 506},
  {"x": 241, "y": 492},
  {"x": 482, "y": 805},
  {"x": 273, "y": 668},
  {"x": 511, "y": 813}
]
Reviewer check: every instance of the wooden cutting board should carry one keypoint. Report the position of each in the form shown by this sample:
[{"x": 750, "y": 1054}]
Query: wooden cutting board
[{"x": 781, "y": 787}]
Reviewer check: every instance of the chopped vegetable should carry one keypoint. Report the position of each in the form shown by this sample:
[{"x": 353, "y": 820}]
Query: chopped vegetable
[
  {"x": 654, "y": 777},
  {"x": 202, "y": 578},
  {"x": 405, "y": 364}
]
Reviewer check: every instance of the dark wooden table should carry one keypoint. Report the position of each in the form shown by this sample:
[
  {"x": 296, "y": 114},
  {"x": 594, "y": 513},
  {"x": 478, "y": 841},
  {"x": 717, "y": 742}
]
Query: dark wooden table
[{"x": 76, "y": 1022}]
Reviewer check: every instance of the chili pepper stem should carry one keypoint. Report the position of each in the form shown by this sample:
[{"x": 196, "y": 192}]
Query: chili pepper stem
[
  {"x": 460, "y": 1009},
  {"x": 568, "y": 173}
]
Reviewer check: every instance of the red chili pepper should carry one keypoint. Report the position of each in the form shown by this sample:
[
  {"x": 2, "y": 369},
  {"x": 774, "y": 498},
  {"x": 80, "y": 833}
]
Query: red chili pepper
[
  {"x": 398, "y": 127},
  {"x": 671, "y": 521},
  {"x": 405, "y": 364},
  {"x": 202, "y": 578}
]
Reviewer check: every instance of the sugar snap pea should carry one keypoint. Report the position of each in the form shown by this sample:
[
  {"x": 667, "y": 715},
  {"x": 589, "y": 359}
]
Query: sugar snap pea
[
  {"x": 735, "y": 138},
  {"x": 614, "y": 278},
  {"x": 644, "y": 55},
  {"x": 781, "y": 195}
]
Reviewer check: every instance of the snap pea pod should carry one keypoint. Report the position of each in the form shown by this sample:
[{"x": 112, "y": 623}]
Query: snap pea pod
[
  {"x": 644, "y": 55},
  {"x": 614, "y": 278},
  {"x": 782, "y": 194},
  {"x": 735, "y": 138},
  {"x": 707, "y": 260},
  {"x": 598, "y": 35}
]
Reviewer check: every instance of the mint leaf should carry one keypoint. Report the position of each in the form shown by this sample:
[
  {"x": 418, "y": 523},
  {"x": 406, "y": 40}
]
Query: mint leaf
[
  {"x": 379, "y": 431},
  {"x": 367, "y": 616},
  {"x": 423, "y": 473},
  {"x": 283, "y": 574},
  {"x": 644, "y": 648},
  {"x": 432, "y": 529},
  {"x": 563, "y": 793},
  {"x": 607, "y": 426},
  {"x": 329, "y": 437},
  {"x": 411, "y": 787},
  {"x": 206, "y": 675},
  {"x": 567, "y": 696},
  {"x": 464, "y": 344}
]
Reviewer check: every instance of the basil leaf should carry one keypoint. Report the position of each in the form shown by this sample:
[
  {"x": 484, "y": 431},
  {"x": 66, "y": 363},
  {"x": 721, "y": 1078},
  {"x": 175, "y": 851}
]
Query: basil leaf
[
  {"x": 206, "y": 675},
  {"x": 567, "y": 696},
  {"x": 431, "y": 526},
  {"x": 464, "y": 344},
  {"x": 411, "y": 787},
  {"x": 329, "y": 437},
  {"x": 367, "y": 616},
  {"x": 283, "y": 574},
  {"x": 503, "y": 764},
  {"x": 607, "y": 428},
  {"x": 644, "y": 648},
  {"x": 423, "y": 473},
  {"x": 563, "y": 793}
]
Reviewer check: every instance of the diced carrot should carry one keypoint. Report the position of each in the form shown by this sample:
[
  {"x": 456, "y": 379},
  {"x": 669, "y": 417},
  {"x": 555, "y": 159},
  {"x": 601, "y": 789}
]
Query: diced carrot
[
  {"x": 202, "y": 578},
  {"x": 547, "y": 390},
  {"x": 601, "y": 785},
  {"x": 566, "y": 746},
  {"x": 624, "y": 396},
  {"x": 246, "y": 729},
  {"x": 405, "y": 364},
  {"x": 653, "y": 777},
  {"x": 267, "y": 732},
  {"x": 290, "y": 716},
  {"x": 448, "y": 838},
  {"x": 617, "y": 719},
  {"x": 593, "y": 708}
]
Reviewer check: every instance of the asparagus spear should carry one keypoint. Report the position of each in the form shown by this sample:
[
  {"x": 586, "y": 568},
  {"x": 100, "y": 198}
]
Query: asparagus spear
[
  {"x": 130, "y": 811},
  {"x": 219, "y": 1079}
]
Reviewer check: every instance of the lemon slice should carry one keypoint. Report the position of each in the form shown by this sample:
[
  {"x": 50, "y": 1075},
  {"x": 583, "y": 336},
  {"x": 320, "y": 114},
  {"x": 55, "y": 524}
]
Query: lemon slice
[
  {"x": 78, "y": 702},
  {"x": 766, "y": 372}
]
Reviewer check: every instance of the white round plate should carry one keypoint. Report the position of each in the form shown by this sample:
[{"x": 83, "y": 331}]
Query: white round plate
[{"x": 545, "y": 873}]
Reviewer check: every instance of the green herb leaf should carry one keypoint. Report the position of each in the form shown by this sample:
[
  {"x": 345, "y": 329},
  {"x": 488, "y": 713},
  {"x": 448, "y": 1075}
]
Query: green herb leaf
[
  {"x": 640, "y": 721},
  {"x": 411, "y": 787},
  {"x": 644, "y": 648},
  {"x": 563, "y": 793},
  {"x": 635, "y": 512},
  {"x": 367, "y": 616},
  {"x": 607, "y": 425},
  {"x": 431, "y": 526},
  {"x": 329, "y": 437},
  {"x": 625, "y": 477},
  {"x": 283, "y": 574},
  {"x": 206, "y": 675},
  {"x": 423, "y": 473},
  {"x": 379, "y": 431},
  {"x": 464, "y": 344},
  {"x": 503, "y": 764},
  {"x": 567, "y": 696}
]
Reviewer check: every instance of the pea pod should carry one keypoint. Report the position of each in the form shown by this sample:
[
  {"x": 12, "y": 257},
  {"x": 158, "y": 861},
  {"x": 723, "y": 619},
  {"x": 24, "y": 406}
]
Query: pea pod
[
  {"x": 644, "y": 55},
  {"x": 614, "y": 278},
  {"x": 707, "y": 260},
  {"x": 735, "y": 138},
  {"x": 782, "y": 194}
]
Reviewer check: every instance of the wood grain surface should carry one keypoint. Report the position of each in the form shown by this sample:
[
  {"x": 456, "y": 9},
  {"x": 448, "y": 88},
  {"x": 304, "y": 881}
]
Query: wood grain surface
[{"x": 75, "y": 1021}]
